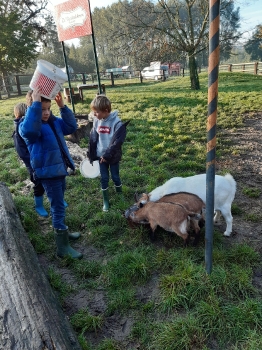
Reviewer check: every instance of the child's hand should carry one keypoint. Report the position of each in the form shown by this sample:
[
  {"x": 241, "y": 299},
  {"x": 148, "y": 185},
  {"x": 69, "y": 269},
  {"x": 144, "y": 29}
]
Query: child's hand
[
  {"x": 59, "y": 100},
  {"x": 102, "y": 160},
  {"x": 36, "y": 94}
]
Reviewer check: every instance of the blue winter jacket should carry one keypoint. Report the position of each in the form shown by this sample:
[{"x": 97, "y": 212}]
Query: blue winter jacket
[{"x": 47, "y": 158}]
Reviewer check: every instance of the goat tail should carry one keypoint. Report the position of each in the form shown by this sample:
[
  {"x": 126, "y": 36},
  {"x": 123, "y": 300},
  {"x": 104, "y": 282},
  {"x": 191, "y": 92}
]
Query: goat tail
[
  {"x": 233, "y": 185},
  {"x": 193, "y": 215}
]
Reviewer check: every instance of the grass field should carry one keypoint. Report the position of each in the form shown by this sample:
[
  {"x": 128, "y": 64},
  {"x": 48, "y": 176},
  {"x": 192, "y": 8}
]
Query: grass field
[{"x": 166, "y": 137}]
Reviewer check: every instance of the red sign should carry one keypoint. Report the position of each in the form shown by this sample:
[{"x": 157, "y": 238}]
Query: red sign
[{"x": 73, "y": 19}]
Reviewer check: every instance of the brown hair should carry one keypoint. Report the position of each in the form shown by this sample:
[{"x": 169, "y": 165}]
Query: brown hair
[
  {"x": 29, "y": 99},
  {"x": 19, "y": 110},
  {"x": 101, "y": 103},
  {"x": 44, "y": 99}
]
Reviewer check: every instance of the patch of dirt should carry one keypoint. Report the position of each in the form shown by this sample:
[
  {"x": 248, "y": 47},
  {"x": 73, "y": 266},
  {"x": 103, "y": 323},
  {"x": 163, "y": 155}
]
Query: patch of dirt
[{"x": 246, "y": 168}]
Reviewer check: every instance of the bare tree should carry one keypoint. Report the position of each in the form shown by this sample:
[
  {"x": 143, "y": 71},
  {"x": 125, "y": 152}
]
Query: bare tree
[{"x": 171, "y": 28}]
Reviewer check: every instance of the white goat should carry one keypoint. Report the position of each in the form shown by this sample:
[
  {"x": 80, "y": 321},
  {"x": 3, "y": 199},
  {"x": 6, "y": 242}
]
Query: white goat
[{"x": 224, "y": 193}]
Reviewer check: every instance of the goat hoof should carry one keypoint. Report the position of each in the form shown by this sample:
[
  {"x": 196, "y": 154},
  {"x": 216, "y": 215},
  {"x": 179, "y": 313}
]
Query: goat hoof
[
  {"x": 226, "y": 234},
  {"x": 195, "y": 242}
]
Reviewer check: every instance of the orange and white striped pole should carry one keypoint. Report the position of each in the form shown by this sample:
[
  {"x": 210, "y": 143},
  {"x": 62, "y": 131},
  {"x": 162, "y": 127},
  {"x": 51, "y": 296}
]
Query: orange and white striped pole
[{"x": 213, "y": 64}]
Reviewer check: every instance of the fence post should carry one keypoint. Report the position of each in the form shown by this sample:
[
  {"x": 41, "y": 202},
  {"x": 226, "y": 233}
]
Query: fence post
[
  {"x": 243, "y": 68},
  {"x": 84, "y": 78},
  {"x": 256, "y": 68},
  {"x": 112, "y": 79},
  {"x": 183, "y": 72},
  {"x": 230, "y": 67},
  {"x": 19, "y": 92}
]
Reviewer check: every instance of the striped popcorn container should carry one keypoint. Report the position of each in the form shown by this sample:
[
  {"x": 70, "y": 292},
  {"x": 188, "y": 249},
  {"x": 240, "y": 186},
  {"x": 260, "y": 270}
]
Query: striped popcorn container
[{"x": 49, "y": 77}]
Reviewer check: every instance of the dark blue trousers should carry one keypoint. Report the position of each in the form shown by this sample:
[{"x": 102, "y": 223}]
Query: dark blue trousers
[
  {"x": 55, "y": 189},
  {"x": 104, "y": 171}
]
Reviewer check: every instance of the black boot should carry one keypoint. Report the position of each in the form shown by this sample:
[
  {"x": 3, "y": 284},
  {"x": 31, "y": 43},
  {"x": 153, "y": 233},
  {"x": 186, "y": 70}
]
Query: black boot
[{"x": 62, "y": 244}]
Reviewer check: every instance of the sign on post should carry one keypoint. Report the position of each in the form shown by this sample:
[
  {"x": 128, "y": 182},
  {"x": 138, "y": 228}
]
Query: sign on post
[{"x": 73, "y": 19}]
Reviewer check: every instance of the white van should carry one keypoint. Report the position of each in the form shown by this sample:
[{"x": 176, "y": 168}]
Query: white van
[{"x": 156, "y": 73}]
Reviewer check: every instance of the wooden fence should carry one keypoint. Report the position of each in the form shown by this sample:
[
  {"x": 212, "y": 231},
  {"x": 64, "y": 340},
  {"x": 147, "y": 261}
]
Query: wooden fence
[
  {"x": 251, "y": 68},
  {"x": 16, "y": 85}
]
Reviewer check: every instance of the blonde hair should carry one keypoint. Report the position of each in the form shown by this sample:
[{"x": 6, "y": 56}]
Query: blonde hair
[
  {"x": 19, "y": 110},
  {"x": 101, "y": 103}
]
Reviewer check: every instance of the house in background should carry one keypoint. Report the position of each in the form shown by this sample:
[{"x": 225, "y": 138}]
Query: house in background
[
  {"x": 173, "y": 68},
  {"x": 70, "y": 69},
  {"x": 129, "y": 71}
]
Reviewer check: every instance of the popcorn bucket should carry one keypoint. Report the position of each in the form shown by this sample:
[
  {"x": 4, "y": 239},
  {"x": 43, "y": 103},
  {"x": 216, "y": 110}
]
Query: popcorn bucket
[
  {"x": 49, "y": 77},
  {"x": 89, "y": 170}
]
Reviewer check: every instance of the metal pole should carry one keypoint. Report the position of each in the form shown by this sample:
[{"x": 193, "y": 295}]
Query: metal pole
[
  {"x": 96, "y": 60},
  {"x": 67, "y": 72},
  {"x": 213, "y": 64}
]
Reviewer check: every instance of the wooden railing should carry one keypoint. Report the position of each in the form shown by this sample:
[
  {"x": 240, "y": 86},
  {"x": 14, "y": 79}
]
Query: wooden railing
[
  {"x": 251, "y": 68},
  {"x": 17, "y": 84}
]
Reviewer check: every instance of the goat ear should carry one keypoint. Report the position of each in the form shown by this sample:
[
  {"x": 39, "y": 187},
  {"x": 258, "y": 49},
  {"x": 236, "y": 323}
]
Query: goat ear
[
  {"x": 145, "y": 196},
  {"x": 136, "y": 197}
]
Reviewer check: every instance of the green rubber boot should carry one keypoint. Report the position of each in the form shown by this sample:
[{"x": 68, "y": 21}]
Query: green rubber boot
[
  {"x": 105, "y": 200},
  {"x": 118, "y": 189},
  {"x": 62, "y": 245},
  {"x": 73, "y": 236}
]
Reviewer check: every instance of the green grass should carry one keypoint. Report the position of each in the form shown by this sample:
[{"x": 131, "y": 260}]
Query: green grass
[
  {"x": 179, "y": 305},
  {"x": 252, "y": 192}
]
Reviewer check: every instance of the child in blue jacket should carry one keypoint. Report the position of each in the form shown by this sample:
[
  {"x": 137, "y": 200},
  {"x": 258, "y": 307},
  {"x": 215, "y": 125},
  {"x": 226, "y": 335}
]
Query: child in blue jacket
[{"x": 50, "y": 159}]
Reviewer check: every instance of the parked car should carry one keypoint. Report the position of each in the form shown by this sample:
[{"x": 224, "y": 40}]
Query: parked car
[
  {"x": 156, "y": 73},
  {"x": 117, "y": 72}
]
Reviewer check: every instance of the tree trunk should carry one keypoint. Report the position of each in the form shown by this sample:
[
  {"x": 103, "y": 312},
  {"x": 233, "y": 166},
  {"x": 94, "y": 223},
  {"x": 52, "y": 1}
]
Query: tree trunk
[
  {"x": 193, "y": 73},
  {"x": 31, "y": 317},
  {"x": 6, "y": 85}
]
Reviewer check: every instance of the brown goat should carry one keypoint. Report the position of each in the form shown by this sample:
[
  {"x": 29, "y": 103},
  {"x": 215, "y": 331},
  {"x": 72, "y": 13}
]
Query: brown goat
[
  {"x": 192, "y": 203},
  {"x": 189, "y": 200},
  {"x": 172, "y": 217}
]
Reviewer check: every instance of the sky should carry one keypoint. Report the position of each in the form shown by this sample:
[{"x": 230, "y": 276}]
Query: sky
[
  {"x": 93, "y": 3},
  {"x": 250, "y": 12}
]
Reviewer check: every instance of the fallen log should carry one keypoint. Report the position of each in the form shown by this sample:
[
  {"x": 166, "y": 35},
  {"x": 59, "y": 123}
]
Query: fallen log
[
  {"x": 31, "y": 317},
  {"x": 82, "y": 131}
]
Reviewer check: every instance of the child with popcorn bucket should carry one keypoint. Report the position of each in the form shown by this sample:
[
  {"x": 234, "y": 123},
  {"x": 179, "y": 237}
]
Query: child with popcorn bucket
[{"x": 50, "y": 158}]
